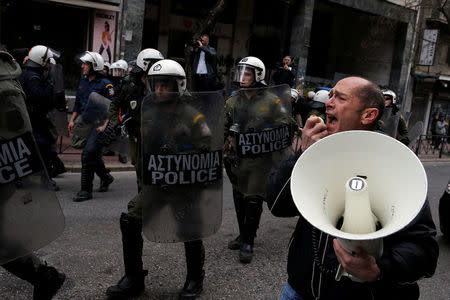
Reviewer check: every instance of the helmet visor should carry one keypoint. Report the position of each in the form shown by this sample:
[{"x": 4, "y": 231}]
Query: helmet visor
[
  {"x": 52, "y": 53},
  {"x": 161, "y": 84},
  {"x": 117, "y": 72},
  {"x": 244, "y": 75}
]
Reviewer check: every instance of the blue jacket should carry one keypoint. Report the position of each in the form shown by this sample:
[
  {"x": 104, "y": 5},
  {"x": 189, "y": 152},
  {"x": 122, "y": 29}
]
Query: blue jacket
[
  {"x": 39, "y": 96},
  {"x": 99, "y": 85}
]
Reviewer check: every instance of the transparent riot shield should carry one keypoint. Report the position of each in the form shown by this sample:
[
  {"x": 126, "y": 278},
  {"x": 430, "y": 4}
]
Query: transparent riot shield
[
  {"x": 30, "y": 214},
  {"x": 60, "y": 121},
  {"x": 96, "y": 110},
  {"x": 94, "y": 115},
  {"x": 58, "y": 115},
  {"x": 414, "y": 132},
  {"x": 389, "y": 122},
  {"x": 120, "y": 144},
  {"x": 260, "y": 132},
  {"x": 182, "y": 139}
]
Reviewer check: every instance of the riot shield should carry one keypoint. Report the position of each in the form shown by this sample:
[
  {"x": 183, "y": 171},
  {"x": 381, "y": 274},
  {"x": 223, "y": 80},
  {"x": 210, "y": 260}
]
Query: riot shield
[
  {"x": 121, "y": 143},
  {"x": 60, "y": 121},
  {"x": 415, "y": 132},
  {"x": 96, "y": 110},
  {"x": 261, "y": 128},
  {"x": 389, "y": 122},
  {"x": 182, "y": 139},
  {"x": 94, "y": 115},
  {"x": 30, "y": 214}
]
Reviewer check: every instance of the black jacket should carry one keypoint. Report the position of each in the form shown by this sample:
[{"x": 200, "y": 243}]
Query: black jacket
[
  {"x": 408, "y": 255},
  {"x": 210, "y": 59}
]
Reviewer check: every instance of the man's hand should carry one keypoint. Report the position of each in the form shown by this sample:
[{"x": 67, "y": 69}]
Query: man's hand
[
  {"x": 199, "y": 43},
  {"x": 286, "y": 67},
  {"x": 361, "y": 264},
  {"x": 314, "y": 130},
  {"x": 102, "y": 128},
  {"x": 70, "y": 127}
]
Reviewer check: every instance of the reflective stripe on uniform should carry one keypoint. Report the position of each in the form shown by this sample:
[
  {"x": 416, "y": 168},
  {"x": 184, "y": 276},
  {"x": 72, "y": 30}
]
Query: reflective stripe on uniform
[{"x": 198, "y": 117}]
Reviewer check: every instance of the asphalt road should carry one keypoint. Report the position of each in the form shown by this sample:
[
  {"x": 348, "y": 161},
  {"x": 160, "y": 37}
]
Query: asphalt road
[{"x": 90, "y": 252}]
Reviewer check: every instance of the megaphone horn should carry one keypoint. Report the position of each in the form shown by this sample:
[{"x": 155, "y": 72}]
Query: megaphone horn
[{"x": 366, "y": 178}]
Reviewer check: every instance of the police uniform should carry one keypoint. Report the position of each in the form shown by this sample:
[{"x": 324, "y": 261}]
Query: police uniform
[
  {"x": 46, "y": 280},
  {"x": 39, "y": 102},
  {"x": 248, "y": 174},
  {"x": 185, "y": 130},
  {"x": 126, "y": 106},
  {"x": 91, "y": 157},
  {"x": 402, "y": 129}
]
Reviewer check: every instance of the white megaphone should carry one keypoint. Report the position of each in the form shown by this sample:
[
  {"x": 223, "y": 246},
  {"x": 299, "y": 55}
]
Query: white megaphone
[{"x": 365, "y": 177}]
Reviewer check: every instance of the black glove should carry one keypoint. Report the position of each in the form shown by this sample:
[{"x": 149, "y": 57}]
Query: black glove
[{"x": 108, "y": 135}]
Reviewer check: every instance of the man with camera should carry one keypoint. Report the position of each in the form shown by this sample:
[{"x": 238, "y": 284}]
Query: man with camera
[
  {"x": 285, "y": 74},
  {"x": 203, "y": 58}
]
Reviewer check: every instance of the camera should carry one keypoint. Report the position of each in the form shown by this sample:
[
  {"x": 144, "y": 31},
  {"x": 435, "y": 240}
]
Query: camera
[{"x": 194, "y": 43}]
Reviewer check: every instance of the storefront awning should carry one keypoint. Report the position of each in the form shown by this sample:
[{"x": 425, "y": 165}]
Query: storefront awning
[
  {"x": 89, "y": 4},
  {"x": 425, "y": 77},
  {"x": 444, "y": 78}
]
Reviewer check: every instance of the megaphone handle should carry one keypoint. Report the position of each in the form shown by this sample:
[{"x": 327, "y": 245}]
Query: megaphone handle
[{"x": 340, "y": 271}]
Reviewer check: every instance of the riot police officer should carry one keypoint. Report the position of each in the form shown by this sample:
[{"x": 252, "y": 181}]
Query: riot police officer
[
  {"x": 91, "y": 158},
  {"x": 118, "y": 71},
  {"x": 125, "y": 107},
  {"x": 39, "y": 92},
  {"x": 252, "y": 110},
  {"x": 15, "y": 124},
  {"x": 118, "y": 76},
  {"x": 167, "y": 83},
  {"x": 390, "y": 99}
]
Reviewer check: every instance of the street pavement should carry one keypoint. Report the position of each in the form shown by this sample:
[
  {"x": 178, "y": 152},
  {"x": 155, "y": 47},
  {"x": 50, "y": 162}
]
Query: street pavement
[{"x": 90, "y": 252}]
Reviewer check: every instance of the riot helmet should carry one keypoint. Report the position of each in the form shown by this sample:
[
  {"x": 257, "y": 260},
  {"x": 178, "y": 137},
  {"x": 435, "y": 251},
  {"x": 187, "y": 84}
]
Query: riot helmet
[
  {"x": 119, "y": 68},
  {"x": 322, "y": 96},
  {"x": 39, "y": 56},
  {"x": 311, "y": 95},
  {"x": 294, "y": 95},
  {"x": 250, "y": 71},
  {"x": 145, "y": 59},
  {"x": 95, "y": 60},
  {"x": 389, "y": 95},
  {"x": 319, "y": 100},
  {"x": 168, "y": 76}
]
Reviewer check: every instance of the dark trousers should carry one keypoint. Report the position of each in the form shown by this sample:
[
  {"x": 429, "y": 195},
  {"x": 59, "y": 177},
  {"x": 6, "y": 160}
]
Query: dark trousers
[{"x": 91, "y": 161}]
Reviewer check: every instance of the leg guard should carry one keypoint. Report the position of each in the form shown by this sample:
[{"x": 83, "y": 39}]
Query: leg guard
[
  {"x": 132, "y": 283},
  {"x": 253, "y": 211},
  {"x": 195, "y": 259},
  {"x": 87, "y": 171},
  {"x": 239, "y": 206}
]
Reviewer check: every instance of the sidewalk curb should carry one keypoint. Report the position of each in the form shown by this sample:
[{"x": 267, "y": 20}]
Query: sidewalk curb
[{"x": 76, "y": 167}]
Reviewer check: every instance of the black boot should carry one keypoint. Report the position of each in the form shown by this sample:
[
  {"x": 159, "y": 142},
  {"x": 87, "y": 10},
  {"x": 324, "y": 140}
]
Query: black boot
[
  {"x": 132, "y": 283},
  {"x": 195, "y": 259},
  {"x": 48, "y": 282},
  {"x": 87, "y": 176},
  {"x": 57, "y": 167},
  {"x": 122, "y": 158},
  {"x": 253, "y": 210},
  {"x": 105, "y": 178},
  {"x": 105, "y": 181},
  {"x": 239, "y": 206}
]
